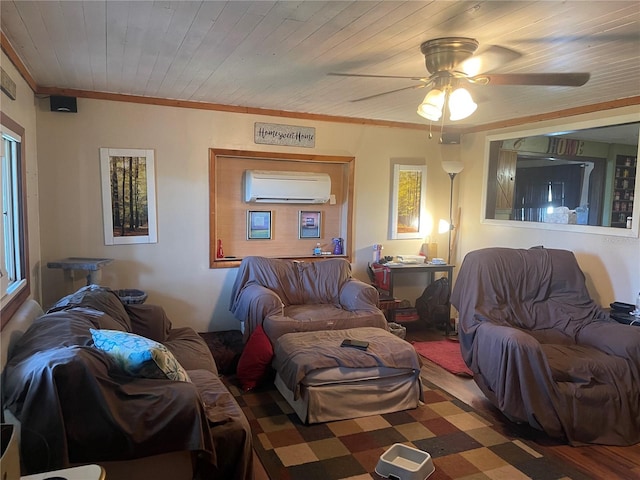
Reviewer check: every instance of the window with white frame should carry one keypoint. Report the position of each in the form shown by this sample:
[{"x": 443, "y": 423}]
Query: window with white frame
[{"x": 14, "y": 285}]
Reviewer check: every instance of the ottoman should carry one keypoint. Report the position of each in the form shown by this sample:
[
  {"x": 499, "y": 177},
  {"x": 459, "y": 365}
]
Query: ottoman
[{"x": 324, "y": 381}]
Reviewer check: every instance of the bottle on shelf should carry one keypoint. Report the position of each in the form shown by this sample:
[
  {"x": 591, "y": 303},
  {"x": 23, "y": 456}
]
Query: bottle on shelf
[
  {"x": 337, "y": 246},
  {"x": 317, "y": 250}
]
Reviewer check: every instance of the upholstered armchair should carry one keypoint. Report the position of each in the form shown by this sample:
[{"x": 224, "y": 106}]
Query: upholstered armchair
[
  {"x": 542, "y": 351},
  {"x": 294, "y": 296}
]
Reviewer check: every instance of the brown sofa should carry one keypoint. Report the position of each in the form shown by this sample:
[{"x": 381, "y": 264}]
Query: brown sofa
[
  {"x": 543, "y": 351},
  {"x": 293, "y": 296},
  {"x": 76, "y": 405}
]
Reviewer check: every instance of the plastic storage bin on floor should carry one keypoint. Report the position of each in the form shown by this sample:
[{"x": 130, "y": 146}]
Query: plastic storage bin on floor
[
  {"x": 132, "y": 296},
  {"x": 401, "y": 462},
  {"x": 398, "y": 330}
]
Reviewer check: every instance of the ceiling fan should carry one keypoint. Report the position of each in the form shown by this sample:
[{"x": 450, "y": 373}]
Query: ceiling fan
[{"x": 452, "y": 64}]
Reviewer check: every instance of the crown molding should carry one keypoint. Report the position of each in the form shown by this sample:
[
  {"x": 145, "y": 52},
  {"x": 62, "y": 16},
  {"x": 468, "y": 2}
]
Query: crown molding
[
  {"x": 15, "y": 59},
  {"x": 568, "y": 112}
]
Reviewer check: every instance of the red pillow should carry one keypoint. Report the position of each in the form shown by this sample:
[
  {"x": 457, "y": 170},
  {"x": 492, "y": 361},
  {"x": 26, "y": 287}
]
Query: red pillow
[{"x": 255, "y": 359}]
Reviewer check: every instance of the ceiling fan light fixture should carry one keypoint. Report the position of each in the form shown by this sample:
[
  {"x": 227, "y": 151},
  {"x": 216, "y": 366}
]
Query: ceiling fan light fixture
[
  {"x": 461, "y": 104},
  {"x": 431, "y": 106}
]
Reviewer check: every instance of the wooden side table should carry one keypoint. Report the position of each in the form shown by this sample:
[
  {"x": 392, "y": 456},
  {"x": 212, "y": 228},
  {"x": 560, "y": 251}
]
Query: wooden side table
[{"x": 84, "y": 472}]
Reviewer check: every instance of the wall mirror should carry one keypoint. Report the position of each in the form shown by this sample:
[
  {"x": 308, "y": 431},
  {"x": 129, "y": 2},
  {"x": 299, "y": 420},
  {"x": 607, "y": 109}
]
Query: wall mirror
[{"x": 583, "y": 178}]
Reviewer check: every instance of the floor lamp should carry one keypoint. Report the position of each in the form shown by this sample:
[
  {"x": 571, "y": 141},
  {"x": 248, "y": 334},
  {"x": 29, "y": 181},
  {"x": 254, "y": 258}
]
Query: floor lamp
[{"x": 452, "y": 167}]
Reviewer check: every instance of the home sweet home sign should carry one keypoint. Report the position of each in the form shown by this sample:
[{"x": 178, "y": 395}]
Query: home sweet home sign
[{"x": 287, "y": 135}]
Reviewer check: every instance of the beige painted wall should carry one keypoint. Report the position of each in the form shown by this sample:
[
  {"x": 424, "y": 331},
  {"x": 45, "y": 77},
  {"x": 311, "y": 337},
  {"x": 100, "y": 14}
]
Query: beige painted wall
[
  {"x": 175, "y": 271},
  {"x": 22, "y": 111},
  {"x": 65, "y": 201},
  {"x": 611, "y": 264}
]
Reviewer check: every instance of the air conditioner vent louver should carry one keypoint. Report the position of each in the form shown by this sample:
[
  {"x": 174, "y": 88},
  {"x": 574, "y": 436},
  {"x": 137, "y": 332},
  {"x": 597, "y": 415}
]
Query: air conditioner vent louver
[{"x": 263, "y": 186}]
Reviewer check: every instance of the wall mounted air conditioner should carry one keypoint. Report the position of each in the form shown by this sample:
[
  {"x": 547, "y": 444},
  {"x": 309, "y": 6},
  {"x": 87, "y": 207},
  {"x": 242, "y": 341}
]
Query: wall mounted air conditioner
[{"x": 262, "y": 186}]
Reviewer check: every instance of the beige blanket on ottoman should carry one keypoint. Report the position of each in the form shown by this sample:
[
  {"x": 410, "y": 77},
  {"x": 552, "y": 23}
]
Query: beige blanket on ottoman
[{"x": 297, "y": 354}]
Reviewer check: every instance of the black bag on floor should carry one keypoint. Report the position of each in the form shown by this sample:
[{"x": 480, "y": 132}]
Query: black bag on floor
[{"x": 433, "y": 304}]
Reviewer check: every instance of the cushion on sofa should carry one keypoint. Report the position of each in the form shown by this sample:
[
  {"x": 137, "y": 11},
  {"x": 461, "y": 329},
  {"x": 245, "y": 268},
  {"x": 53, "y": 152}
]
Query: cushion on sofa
[
  {"x": 139, "y": 356},
  {"x": 309, "y": 318},
  {"x": 255, "y": 359},
  {"x": 190, "y": 349},
  {"x": 320, "y": 282},
  {"x": 87, "y": 316},
  {"x": 149, "y": 321},
  {"x": 59, "y": 330},
  {"x": 99, "y": 298}
]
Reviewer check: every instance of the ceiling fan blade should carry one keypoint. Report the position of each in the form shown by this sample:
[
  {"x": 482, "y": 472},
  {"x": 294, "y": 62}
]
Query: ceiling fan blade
[
  {"x": 412, "y": 87},
  {"x": 549, "y": 79},
  {"x": 417, "y": 79},
  {"x": 488, "y": 60}
]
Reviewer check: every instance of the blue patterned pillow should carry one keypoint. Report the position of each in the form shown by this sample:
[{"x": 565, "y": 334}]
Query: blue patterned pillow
[{"x": 139, "y": 356}]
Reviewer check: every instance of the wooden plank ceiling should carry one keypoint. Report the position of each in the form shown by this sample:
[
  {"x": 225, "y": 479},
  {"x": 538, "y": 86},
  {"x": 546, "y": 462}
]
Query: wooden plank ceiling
[{"x": 276, "y": 54}]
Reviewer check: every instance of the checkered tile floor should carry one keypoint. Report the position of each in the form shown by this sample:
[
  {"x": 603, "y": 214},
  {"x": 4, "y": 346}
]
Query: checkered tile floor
[{"x": 463, "y": 444}]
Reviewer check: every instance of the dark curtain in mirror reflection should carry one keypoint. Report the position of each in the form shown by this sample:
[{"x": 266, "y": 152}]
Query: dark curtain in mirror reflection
[{"x": 542, "y": 188}]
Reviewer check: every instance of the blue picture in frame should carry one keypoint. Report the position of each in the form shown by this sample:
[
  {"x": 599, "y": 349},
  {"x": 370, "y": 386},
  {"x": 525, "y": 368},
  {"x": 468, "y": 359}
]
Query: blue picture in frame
[
  {"x": 309, "y": 224},
  {"x": 258, "y": 225}
]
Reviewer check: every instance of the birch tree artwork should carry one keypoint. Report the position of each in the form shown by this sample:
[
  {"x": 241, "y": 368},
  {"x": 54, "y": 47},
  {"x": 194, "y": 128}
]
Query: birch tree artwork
[
  {"x": 408, "y": 201},
  {"x": 409, "y": 191},
  {"x": 129, "y": 196},
  {"x": 128, "y": 193}
]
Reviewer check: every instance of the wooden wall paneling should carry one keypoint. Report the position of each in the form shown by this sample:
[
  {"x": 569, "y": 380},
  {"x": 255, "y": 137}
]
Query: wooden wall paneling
[{"x": 228, "y": 211}]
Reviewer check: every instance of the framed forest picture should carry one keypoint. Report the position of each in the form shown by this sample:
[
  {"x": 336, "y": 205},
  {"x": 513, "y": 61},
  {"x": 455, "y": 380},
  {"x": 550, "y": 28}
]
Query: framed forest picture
[
  {"x": 128, "y": 196},
  {"x": 408, "y": 202}
]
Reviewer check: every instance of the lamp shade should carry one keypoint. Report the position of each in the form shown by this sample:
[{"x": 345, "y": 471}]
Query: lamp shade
[
  {"x": 431, "y": 106},
  {"x": 452, "y": 166},
  {"x": 461, "y": 105},
  {"x": 443, "y": 226}
]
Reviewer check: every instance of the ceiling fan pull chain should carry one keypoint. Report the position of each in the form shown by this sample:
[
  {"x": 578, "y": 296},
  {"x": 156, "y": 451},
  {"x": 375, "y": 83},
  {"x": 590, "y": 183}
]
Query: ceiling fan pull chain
[{"x": 444, "y": 111}]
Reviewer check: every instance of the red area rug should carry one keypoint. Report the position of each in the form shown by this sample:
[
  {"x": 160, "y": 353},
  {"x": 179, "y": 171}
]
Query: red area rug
[{"x": 445, "y": 353}]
